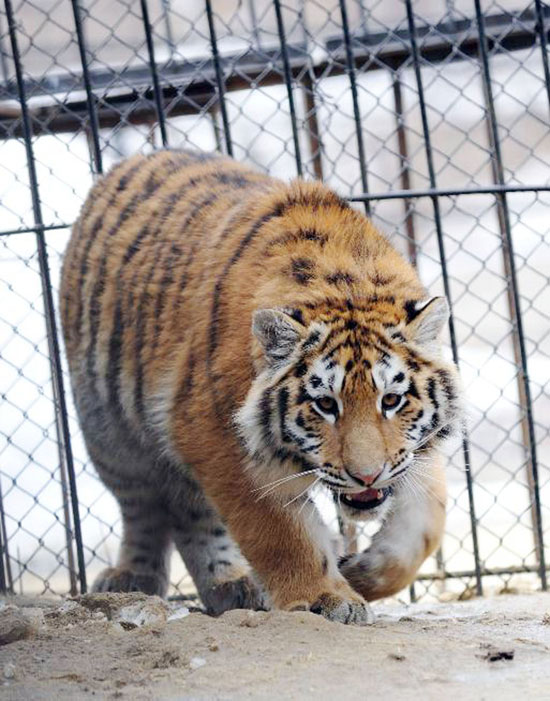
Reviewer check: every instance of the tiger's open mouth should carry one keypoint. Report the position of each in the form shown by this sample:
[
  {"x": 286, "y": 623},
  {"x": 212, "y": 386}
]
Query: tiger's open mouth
[{"x": 367, "y": 499}]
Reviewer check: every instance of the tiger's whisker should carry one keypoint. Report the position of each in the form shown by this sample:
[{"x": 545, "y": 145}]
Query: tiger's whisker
[
  {"x": 286, "y": 477},
  {"x": 434, "y": 432},
  {"x": 301, "y": 494},
  {"x": 272, "y": 486}
]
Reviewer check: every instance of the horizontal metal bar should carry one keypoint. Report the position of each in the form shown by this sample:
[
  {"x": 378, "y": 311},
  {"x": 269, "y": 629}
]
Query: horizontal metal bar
[
  {"x": 34, "y": 229},
  {"x": 392, "y": 195},
  {"x": 447, "y": 192},
  {"x": 485, "y": 572}
]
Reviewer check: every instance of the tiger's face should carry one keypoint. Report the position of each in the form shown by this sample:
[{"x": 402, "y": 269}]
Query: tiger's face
[{"x": 354, "y": 398}]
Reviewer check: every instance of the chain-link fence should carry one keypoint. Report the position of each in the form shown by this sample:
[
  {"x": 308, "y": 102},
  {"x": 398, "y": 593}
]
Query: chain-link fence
[{"x": 431, "y": 115}]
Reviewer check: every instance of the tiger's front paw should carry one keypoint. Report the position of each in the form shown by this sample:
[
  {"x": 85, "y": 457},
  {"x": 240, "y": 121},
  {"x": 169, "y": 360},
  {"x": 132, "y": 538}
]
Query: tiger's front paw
[
  {"x": 341, "y": 607},
  {"x": 242, "y": 593},
  {"x": 377, "y": 575},
  {"x": 337, "y": 608}
]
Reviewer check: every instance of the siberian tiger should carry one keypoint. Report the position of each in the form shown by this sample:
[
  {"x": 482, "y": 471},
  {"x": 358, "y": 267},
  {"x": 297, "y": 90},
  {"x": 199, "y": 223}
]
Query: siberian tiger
[{"x": 233, "y": 341}]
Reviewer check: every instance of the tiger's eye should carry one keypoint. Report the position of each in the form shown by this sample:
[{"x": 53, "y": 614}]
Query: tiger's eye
[
  {"x": 390, "y": 400},
  {"x": 328, "y": 405}
]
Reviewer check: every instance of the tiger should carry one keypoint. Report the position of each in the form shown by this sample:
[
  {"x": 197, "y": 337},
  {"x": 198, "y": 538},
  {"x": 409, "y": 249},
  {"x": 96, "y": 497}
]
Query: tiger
[{"x": 234, "y": 343}]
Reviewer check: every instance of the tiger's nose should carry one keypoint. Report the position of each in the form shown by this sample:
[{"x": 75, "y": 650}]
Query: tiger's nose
[{"x": 367, "y": 480}]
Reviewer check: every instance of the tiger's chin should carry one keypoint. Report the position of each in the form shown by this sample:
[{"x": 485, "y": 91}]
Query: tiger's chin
[{"x": 368, "y": 505}]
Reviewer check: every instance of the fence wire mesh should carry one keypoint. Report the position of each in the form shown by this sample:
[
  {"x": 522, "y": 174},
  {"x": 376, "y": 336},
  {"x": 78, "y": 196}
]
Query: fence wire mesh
[{"x": 431, "y": 116}]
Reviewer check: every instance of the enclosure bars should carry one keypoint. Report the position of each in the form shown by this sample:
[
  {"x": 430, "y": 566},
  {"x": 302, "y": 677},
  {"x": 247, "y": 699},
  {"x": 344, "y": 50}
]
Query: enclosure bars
[
  {"x": 505, "y": 230},
  {"x": 448, "y": 192},
  {"x": 309, "y": 91},
  {"x": 65, "y": 492},
  {"x": 511, "y": 41},
  {"x": 6, "y": 579},
  {"x": 404, "y": 163},
  {"x": 219, "y": 79},
  {"x": 64, "y": 437},
  {"x": 168, "y": 26},
  {"x": 70, "y": 117},
  {"x": 487, "y": 572},
  {"x": 288, "y": 81},
  {"x": 350, "y": 67},
  {"x": 445, "y": 274},
  {"x": 310, "y": 107},
  {"x": 254, "y": 18},
  {"x": 154, "y": 74},
  {"x": 403, "y": 150},
  {"x": 97, "y": 167},
  {"x": 541, "y": 31},
  {"x": 3, "y": 55},
  {"x": 372, "y": 197},
  {"x": 508, "y": 246}
]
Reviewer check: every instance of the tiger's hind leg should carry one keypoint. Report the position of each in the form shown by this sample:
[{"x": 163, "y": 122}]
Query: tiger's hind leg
[
  {"x": 144, "y": 555},
  {"x": 412, "y": 531},
  {"x": 221, "y": 574}
]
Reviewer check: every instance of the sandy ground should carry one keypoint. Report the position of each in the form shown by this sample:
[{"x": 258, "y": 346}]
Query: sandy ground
[{"x": 131, "y": 646}]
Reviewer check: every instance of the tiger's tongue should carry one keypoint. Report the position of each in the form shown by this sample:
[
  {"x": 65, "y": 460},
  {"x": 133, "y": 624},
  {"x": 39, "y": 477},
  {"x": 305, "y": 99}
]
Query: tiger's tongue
[{"x": 367, "y": 495}]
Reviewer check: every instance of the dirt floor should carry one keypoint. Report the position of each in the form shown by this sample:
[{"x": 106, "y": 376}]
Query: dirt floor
[{"x": 136, "y": 647}]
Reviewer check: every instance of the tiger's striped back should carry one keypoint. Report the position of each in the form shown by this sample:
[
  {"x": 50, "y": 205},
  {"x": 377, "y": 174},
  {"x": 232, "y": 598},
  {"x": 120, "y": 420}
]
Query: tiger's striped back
[{"x": 131, "y": 287}]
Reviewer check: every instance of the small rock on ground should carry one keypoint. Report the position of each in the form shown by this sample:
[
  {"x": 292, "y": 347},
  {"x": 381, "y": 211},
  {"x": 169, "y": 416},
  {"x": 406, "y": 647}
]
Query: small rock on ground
[{"x": 16, "y": 624}]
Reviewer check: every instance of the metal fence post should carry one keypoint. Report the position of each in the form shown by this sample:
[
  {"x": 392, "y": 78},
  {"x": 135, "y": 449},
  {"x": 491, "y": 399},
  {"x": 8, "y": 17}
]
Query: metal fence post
[
  {"x": 219, "y": 78},
  {"x": 543, "y": 34},
  {"x": 404, "y": 163},
  {"x": 514, "y": 301},
  {"x": 154, "y": 72},
  {"x": 97, "y": 164},
  {"x": 445, "y": 274},
  {"x": 6, "y": 579},
  {"x": 64, "y": 437},
  {"x": 350, "y": 67},
  {"x": 288, "y": 82}
]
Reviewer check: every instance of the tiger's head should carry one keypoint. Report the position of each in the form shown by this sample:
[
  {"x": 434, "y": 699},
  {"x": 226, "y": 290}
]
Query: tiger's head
[{"x": 353, "y": 395}]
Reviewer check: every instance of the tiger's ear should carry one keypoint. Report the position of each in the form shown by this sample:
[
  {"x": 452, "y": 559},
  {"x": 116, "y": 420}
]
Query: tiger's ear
[
  {"x": 277, "y": 332},
  {"x": 426, "y": 319}
]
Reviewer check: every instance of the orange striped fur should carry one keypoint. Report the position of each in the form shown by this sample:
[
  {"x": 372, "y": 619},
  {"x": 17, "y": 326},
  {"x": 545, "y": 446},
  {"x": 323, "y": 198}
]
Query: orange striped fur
[{"x": 233, "y": 340}]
